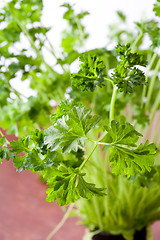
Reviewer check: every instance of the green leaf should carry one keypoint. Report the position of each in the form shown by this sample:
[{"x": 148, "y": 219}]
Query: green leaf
[
  {"x": 124, "y": 158},
  {"x": 121, "y": 133},
  {"x": 20, "y": 145},
  {"x": 69, "y": 132},
  {"x": 131, "y": 162},
  {"x": 36, "y": 156},
  {"x": 62, "y": 109},
  {"x": 129, "y": 58},
  {"x": 91, "y": 73},
  {"x": 87, "y": 190},
  {"x": 126, "y": 76},
  {"x": 69, "y": 185},
  {"x": 63, "y": 188},
  {"x": 121, "y": 16},
  {"x": 36, "y": 161}
]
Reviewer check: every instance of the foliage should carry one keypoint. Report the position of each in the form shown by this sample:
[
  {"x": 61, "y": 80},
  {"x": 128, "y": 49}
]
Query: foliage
[
  {"x": 138, "y": 208},
  {"x": 87, "y": 134},
  {"x": 62, "y": 134},
  {"x": 121, "y": 137},
  {"x": 126, "y": 76},
  {"x": 91, "y": 73},
  {"x": 21, "y": 22}
]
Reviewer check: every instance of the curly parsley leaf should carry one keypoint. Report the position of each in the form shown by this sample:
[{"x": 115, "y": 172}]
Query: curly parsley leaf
[
  {"x": 124, "y": 158},
  {"x": 62, "y": 109},
  {"x": 126, "y": 76},
  {"x": 69, "y": 132},
  {"x": 69, "y": 185},
  {"x": 91, "y": 73}
]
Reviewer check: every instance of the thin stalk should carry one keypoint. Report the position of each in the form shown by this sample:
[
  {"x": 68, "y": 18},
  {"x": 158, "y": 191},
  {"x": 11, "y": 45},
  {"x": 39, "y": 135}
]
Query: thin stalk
[
  {"x": 109, "y": 80},
  {"x": 115, "y": 89},
  {"x": 88, "y": 156},
  {"x": 152, "y": 84},
  {"x": 147, "y": 78},
  {"x": 51, "y": 46},
  {"x": 97, "y": 153},
  {"x": 61, "y": 223},
  {"x": 96, "y": 143},
  {"x": 113, "y": 100},
  {"x": 4, "y": 137}
]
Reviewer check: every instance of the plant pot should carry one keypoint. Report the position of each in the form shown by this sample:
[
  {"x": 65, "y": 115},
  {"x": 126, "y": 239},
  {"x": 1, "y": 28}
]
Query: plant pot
[
  {"x": 139, "y": 235},
  {"x": 107, "y": 236}
]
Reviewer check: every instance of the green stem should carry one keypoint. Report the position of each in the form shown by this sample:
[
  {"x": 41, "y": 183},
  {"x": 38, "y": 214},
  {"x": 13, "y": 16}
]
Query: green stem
[
  {"x": 96, "y": 143},
  {"x": 61, "y": 223},
  {"x": 4, "y": 137},
  {"x": 113, "y": 100},
  {"x": 51, "y": 46},
  {"x": 109, "y": 80},
  {"x": 88, "y": 156},
  {"x": 147, "y": 78},
  {"x": 151, "y": 86},
  {"x": 97, "y": 153}
]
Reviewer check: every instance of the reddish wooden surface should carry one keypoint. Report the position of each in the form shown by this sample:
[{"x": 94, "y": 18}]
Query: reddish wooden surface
[{"x": 24, "y": 213}]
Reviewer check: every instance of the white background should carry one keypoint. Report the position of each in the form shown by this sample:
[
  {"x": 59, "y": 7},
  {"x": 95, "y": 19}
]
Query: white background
[{"x": 102, "y": 14}]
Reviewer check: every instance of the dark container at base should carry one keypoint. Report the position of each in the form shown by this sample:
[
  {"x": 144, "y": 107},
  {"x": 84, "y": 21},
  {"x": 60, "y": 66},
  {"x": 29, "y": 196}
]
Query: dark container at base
[{"x": 139, "y": 235}]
